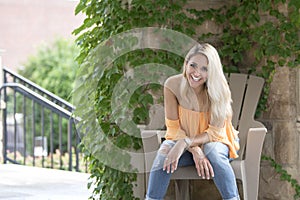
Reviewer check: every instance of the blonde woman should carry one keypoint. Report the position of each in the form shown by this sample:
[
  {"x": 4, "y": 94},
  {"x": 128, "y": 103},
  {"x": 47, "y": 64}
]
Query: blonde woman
[{"x": 199, "y": 131}]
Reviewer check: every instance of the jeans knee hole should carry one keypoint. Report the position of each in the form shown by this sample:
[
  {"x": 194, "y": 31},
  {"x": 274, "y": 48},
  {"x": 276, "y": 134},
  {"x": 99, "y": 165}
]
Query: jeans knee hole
[{"x": 164, "y": 149}]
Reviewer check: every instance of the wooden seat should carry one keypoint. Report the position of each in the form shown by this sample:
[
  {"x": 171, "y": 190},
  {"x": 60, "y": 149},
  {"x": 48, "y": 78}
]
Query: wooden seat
[{"x": 246, "y": 91}]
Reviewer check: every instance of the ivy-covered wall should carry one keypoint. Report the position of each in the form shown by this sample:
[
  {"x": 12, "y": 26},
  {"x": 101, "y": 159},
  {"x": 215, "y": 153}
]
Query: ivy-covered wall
[
  {"x": 280, "y": 117},
  {"x": 255, "y": 37}
]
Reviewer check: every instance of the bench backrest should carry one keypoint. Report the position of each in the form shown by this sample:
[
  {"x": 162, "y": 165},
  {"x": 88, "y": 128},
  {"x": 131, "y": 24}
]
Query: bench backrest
[{"x": 245, "y": 92}]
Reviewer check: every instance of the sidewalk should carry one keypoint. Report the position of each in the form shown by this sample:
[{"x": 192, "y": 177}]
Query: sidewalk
[{"x": 18, "y": 182}]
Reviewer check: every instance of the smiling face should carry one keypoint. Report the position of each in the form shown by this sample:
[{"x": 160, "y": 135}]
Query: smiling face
[{"x": 196, "y": 71}]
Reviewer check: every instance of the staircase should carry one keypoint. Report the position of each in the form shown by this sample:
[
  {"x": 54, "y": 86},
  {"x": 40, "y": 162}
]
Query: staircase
[{"x": 38, "y": 127}]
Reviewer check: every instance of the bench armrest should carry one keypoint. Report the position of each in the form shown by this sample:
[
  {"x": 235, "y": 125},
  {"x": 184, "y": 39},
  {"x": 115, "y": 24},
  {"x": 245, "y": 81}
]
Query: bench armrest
[
  {"x": 254, "y": 145},
  {"x": 151, "y": 140}
]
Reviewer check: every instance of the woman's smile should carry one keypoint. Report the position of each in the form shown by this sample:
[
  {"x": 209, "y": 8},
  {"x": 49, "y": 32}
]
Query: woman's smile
[{"x": 195, "y": 78}]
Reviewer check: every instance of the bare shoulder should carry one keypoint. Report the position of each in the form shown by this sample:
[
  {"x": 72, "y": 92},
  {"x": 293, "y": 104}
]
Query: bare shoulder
[
  {"x": 173, "y": 84},
  {"x": 173, "y": 81}
]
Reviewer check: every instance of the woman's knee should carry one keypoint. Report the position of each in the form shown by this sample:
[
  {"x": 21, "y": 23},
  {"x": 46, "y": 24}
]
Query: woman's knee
[
  {"x": 162, "y": 152},
  {"x": 216, "y": 152}
]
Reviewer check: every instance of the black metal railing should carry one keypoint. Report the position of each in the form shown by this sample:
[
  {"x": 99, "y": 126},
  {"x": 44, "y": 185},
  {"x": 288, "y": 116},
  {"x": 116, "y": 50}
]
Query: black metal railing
[
  {"x": 10, "y": 76},
  {"x": 38, "y": 126}
]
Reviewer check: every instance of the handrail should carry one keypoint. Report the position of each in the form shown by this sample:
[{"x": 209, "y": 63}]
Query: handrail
[
  {"x": 60, "y": 101},
  {"x": 39, "y": 98}
]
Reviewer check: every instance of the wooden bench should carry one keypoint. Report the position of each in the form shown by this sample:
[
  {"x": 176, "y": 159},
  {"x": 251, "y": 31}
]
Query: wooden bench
[{"x": 246, "y": 91}]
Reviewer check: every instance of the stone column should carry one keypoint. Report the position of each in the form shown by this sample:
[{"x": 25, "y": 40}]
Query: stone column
[
  {"x": 298, "y": 115},
  {"x": 282, "y": 141}
]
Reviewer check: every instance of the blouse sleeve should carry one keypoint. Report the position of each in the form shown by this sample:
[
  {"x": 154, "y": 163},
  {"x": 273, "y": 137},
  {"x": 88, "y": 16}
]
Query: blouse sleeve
[
  {"x": 174, "y": 132},
  {"x": 216, "y": 134},
  {"x": 227, "y": 135}
]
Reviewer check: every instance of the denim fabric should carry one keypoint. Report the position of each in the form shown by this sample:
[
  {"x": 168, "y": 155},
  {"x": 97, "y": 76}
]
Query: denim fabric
[
  {"x": 216, "y": 152},
  {"x": 224, "y": 179}
]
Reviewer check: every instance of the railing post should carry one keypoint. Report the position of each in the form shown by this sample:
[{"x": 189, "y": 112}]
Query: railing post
[{"x": 70, "y": 143}]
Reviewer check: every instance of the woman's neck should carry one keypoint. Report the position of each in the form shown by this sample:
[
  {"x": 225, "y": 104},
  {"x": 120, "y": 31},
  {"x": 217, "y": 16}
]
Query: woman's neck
[{"x": 199, "y": 90}]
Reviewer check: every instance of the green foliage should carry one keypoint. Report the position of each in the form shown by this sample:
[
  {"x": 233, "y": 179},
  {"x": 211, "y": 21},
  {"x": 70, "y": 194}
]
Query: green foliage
[
  {"x": 256, "y": 38},
  {"x": 284, "y": 175},
  {"x": 258, "y": 30},
  {"x": 108, "y": 183},
  {"x": 53, "y": 67},
  {"x": 104, "y": 19}
]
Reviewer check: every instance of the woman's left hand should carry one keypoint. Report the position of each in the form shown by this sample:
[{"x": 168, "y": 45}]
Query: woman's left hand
[
  {"x": 171, "y": 161},
  {"x": 202, "y": 164}
]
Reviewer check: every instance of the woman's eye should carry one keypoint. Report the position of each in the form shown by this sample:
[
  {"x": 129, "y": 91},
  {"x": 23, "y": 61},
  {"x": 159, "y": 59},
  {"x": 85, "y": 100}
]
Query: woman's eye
[
  {"x": 193, "y": 65},
  {"x": 204, "y": 69}
]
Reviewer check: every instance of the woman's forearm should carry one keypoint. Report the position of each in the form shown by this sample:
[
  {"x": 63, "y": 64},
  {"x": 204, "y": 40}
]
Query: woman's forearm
[
  {"x": 199, "y": 139},
  {"x": 190, "y": 142}
]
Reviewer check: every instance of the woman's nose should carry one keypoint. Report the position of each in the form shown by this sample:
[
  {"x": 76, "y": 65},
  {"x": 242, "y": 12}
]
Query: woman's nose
[{"x": 197, "y": 72}]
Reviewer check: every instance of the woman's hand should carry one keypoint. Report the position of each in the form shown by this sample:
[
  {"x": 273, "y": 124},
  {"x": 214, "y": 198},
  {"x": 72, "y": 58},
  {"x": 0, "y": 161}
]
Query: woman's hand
[
  {"x": 171, "y": 161},
  {"x": 202, "y": 164}
]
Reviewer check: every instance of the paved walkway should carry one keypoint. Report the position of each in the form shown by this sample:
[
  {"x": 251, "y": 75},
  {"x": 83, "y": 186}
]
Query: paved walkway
[{"x": 19, "y": 182}]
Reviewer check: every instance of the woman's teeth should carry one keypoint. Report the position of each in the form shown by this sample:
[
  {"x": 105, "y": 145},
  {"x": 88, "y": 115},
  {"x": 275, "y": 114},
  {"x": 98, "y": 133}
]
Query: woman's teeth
[{"x": 195, "y": 78}]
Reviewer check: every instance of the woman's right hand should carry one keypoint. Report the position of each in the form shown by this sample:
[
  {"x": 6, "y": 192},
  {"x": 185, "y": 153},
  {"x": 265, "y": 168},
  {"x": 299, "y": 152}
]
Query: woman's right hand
[
  {"x": 171, "y": 161},
  {"x": 202, "y": 164}
]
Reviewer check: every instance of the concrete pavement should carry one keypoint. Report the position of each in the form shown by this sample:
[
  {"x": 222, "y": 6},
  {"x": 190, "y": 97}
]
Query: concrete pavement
[{"x": 18, "y": 182}]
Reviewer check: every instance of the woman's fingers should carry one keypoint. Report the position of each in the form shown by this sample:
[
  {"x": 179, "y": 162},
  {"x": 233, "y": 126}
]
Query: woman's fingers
[
  {"x": 205, "y": 169},
  {"x": 174, "y": 166},
  {"x": 211, "y": 170},
  {"x": 202, "y": 173},
  {"x": 169, "y": 165},
  {"x": 166, "y": 165},
  {"x": 197, "y": 165}
]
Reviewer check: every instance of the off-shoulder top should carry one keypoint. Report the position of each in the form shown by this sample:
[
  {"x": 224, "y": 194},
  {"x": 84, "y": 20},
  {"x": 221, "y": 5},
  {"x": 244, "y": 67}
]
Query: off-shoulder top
[{"x": 192, "y": 123}]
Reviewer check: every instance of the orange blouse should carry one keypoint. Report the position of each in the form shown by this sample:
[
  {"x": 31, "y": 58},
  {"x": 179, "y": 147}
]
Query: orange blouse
[{"x": 192, "y": 123}]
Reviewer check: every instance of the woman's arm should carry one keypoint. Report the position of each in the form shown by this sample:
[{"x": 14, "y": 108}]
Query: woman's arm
[
  {"x": 214, "y": 132},
  {"x": 171, "y": 104},
  {"x": 171, "y": 113}
]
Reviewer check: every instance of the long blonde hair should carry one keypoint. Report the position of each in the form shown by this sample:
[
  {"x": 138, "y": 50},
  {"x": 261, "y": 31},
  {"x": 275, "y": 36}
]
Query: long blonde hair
[{"x": 217, "y": 87}]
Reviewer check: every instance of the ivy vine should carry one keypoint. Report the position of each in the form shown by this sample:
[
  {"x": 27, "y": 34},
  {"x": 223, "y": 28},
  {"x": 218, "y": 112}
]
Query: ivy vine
[
  {"x": 256, "y": 37},
  {"x": 284, "y": 175}
]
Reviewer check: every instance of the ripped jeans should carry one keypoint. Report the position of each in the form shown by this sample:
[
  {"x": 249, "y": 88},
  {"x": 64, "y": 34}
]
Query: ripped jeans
[{"x": 216, "y": 152}]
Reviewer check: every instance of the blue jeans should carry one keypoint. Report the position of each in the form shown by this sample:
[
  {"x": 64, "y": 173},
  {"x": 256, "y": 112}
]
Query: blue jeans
[{"x": 216, "y": 152}]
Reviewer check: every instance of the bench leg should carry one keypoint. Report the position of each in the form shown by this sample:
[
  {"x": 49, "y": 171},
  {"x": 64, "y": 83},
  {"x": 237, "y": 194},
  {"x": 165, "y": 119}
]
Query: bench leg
[{"x": 182, "y": 189}]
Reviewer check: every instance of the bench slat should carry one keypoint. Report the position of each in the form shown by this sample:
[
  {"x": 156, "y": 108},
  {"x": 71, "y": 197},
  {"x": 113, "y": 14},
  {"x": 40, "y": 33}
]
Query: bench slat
[
  {"x": 237, "y": 84},
  {"x": 251, "y": 99}
]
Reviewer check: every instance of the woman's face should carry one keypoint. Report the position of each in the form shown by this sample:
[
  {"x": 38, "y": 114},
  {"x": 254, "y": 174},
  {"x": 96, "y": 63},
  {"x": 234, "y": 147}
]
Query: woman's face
[{"x": 196, "y": 71}]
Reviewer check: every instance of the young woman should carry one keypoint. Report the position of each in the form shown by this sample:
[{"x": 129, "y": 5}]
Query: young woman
[{"x": 199, "y": 131}]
